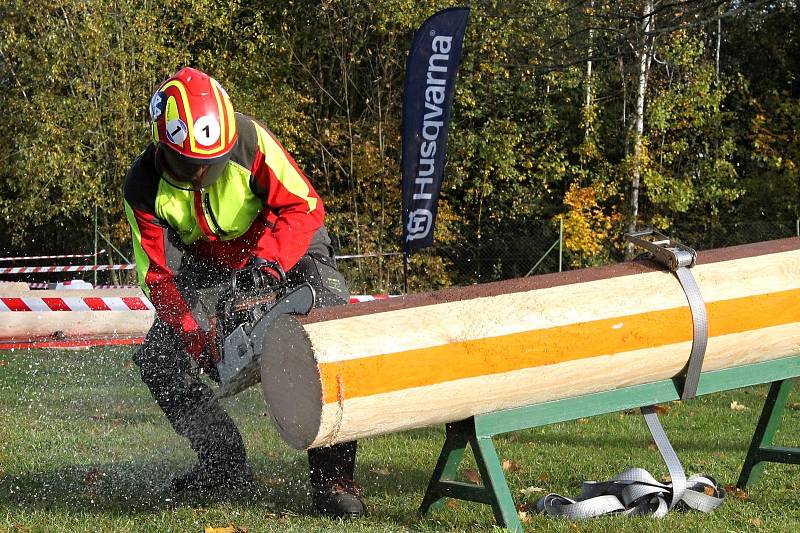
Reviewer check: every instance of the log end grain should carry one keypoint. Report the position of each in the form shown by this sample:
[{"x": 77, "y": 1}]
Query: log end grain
[{"x": 291, "y": 383}]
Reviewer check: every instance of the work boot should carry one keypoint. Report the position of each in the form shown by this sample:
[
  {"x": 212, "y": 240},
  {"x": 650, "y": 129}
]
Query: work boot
[
  {"x": 339, "y": 498},
  {"x": 207, "y": 476}
]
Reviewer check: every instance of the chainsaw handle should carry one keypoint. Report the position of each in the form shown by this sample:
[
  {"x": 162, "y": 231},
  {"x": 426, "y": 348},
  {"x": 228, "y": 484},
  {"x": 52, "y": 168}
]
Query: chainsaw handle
[
  {"x": 273, "y": 266},
  {"x": 254, "y": 272}
]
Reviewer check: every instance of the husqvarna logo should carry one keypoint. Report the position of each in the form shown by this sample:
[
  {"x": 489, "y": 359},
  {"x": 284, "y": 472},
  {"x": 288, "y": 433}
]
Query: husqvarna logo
[
  {"x": 433, "y": 120},
  {"x": 419, "y": 224},
  {"x": 420, "y": 221}
]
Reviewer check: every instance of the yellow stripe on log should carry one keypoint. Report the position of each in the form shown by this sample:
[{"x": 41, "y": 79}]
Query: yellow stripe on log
[{"x": 379, "y": 374}]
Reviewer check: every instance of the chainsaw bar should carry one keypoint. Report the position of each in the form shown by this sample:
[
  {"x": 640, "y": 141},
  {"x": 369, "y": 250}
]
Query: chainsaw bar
[{"x": 240, "y": 366}]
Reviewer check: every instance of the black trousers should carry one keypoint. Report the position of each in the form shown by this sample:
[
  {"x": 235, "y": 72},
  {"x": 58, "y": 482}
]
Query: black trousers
[{"x": 187, "y": 401}]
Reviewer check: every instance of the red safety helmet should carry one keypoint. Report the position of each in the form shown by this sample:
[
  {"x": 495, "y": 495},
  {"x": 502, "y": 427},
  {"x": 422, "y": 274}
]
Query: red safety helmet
[{"x": 194, "y": 127}]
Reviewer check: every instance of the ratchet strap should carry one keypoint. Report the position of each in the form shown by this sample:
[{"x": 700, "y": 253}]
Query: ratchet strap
[
  {"x": 679, "y": 259},
  {"x": 635, "y": 491}
]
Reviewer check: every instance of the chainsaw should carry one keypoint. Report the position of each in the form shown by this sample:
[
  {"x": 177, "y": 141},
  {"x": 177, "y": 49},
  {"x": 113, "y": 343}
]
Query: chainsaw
[{"x": 243, "y": 315}]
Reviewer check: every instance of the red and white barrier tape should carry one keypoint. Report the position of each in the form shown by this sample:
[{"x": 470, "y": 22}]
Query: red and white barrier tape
[
  {"x": 63, "y": 268},
  {"x": 132, "y": 303},
  {"x": 357, "y": 298},
  {"x": 128, "y": 303},
  {"x": 93, "y": 304},
  {"x": 47, "y": 286},
  {"x": 33, "y": 257}
]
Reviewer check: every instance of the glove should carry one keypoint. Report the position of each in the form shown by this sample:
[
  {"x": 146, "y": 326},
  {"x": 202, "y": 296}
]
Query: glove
[
  {"x": 273, "y": 268},
  {"x": 208, "y": 366},
  {"x": 198, "y": 345},
  {"x": 195, "y": 342}
]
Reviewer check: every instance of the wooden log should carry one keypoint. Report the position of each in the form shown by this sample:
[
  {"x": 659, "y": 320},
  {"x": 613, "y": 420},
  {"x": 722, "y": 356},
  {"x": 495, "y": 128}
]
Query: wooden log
[
  {"x": 29, "y": 325},
  {"x": 350, "y": 372}
]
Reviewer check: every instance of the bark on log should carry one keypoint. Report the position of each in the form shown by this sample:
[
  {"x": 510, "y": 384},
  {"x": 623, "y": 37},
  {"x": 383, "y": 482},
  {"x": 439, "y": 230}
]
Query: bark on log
[{"x": 354, "y": 371}]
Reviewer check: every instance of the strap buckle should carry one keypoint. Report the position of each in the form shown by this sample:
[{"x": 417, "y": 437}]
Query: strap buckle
[
  {"x": 666, "y": 251},
  {"x": 679, "y": 259}
]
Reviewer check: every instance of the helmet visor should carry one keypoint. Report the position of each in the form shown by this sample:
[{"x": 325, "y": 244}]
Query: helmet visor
[{"x": 195, "y": 174}]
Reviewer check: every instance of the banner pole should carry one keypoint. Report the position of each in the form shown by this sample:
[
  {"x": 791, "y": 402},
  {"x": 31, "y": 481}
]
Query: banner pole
[
  {"x": 95, "y": 244},
  {"x": 405, "y": 272},
  {"x": 560, "y": 242}
]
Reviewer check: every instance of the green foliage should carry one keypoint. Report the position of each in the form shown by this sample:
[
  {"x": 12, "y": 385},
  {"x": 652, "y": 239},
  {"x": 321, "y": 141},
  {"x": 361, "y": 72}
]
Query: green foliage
[
  {"x": 762, "y": 62},
  {"x": 691, "y": 139},
  {"x": 776, "y": 142},
  {"x": 73, "y": 108},
  {"x": 327, "y": 78}
]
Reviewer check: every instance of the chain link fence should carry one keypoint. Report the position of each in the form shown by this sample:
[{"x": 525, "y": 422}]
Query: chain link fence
[
  {"x": 531, "y": 248},
  {"x": 536, "y": 247}
]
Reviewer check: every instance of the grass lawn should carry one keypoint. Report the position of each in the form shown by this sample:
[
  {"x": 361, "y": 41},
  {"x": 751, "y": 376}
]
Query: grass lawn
[{"x": 84, "y": 448}]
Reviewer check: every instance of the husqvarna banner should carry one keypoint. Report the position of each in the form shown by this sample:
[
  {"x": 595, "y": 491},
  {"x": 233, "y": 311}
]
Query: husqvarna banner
[{"x": 430, "y": 83}]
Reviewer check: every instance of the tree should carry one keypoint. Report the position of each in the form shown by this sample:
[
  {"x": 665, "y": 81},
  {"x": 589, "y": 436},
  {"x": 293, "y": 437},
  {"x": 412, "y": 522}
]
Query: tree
[{"x": 77, "y": 79}]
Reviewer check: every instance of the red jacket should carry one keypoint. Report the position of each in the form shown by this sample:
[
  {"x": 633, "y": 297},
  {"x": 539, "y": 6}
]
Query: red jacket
[{"x": 262, "y": 205}]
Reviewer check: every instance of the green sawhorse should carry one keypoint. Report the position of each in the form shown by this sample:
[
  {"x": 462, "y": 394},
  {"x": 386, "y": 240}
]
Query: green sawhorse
[
  {"x": 761, "y": 449},
  {"x": 478, "y": 431}
]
